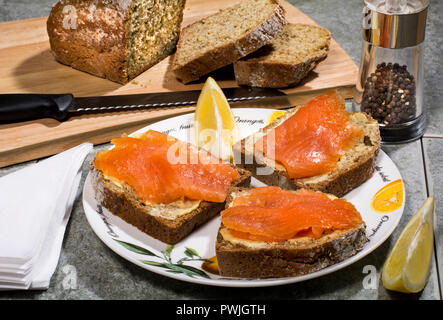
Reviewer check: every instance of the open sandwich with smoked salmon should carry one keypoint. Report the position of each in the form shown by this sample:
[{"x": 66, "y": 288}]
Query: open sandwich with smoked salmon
[
  {"x": 319, "y": 146},
  {"x": 270, "y": 232},
  {"x": 163, "y": 186}
]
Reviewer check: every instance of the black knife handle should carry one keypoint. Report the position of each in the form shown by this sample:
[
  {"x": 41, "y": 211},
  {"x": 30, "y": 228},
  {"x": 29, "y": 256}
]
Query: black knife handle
[{"x": 23, "y": 107}]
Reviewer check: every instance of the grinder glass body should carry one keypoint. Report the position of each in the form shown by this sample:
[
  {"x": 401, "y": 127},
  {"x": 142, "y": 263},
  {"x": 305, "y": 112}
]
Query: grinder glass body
[{"x": 390, "y": 81}]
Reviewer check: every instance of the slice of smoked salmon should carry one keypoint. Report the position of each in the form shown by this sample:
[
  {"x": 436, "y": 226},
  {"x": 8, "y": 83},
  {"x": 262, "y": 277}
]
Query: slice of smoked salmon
[
  {"x": 273, "y": 214},
  {"x": 162, "y": 169},
  {"x": 311, "y": 141}
]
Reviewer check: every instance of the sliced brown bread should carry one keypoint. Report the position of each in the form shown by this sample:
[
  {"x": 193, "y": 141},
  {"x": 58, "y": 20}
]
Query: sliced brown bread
[
  {"x": 225, "y": 37},
  {"x": 355, "y": 167},
  {"x": 114, "y": 39},
  {"x": 286, "y": 60},
  {"x": 294, "y": 257},
  {"x": 160, "y": 221}
]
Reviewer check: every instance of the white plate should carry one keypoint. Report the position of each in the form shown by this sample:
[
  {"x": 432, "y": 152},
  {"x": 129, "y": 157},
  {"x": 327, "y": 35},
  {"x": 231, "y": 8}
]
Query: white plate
[{"x": 139, "y": 248}]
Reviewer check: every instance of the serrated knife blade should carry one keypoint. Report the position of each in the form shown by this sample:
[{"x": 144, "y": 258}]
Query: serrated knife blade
[
  {"x": 163, "y": 99},
  {"x": 23, "y": 107}
]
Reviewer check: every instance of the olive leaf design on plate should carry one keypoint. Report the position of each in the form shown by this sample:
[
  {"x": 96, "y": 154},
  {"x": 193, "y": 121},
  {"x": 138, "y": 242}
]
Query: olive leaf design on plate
[{"x": 168, "y": 264}]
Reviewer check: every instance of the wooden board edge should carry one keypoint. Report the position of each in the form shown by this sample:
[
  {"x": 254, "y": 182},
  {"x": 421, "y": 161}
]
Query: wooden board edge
[{"x": 52, "y": 147}]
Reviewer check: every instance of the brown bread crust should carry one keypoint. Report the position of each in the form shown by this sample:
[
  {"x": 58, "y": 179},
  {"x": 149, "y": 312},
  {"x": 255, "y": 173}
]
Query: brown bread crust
[
  {"x": 124, "y": 204},
  {"x": 222, "y": 56},
  {"x": 286, "y": 260},
  {"x": 273, "y": 75},
  {"x": 106, "y": 57}
]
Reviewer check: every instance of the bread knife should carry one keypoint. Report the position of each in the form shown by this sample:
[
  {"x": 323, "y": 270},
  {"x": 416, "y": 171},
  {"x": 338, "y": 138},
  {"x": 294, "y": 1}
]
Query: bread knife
[{"x": 24, "y": 107}]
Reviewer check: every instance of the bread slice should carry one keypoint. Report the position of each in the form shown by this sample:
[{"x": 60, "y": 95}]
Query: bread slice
[
  {"x": 225, "y": 37},
  {"x": 114, "y": 39},
  {"x": 286, "y": 60},
  {"x": 355, "y": 167},
  {"x": 294, "y": 257},
  {"x": 156, "y": 220}
]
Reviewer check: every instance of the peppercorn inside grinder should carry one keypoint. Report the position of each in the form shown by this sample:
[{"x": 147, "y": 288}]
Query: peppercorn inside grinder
[{"x": 390, "y": 82}]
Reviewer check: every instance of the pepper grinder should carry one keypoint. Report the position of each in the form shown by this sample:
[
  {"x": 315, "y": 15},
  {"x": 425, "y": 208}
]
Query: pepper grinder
[{"x": 390, "y": 81}]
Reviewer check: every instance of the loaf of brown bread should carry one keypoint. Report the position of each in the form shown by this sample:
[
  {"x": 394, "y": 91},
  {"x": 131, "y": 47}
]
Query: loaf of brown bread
[
  {"x": 114, "y": 39},
  {"x": 225, "y": 37}
]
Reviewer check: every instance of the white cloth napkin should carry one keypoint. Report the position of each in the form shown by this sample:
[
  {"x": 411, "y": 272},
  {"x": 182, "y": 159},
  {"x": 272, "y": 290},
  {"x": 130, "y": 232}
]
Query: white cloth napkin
[{"x": 35, "y": 205}]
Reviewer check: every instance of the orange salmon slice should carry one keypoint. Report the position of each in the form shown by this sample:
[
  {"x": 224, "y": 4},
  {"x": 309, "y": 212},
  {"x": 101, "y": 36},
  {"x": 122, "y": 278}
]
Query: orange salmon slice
[
  {"x": 311, "y": 142},
  {"x": 162, "y": 169},
  {"x": 273, "y": 214}
]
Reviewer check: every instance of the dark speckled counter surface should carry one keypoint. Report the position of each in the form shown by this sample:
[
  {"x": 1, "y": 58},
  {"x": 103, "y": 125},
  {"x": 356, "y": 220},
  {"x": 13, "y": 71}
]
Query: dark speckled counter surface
[{"x": 102, "y": 274}]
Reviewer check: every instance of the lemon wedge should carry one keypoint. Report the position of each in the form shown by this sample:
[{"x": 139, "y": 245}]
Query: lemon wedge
[
  {"x": 216, "y": 130},
  {"x": 275, "y": 115},
  {"x": 407, "y": 266}
]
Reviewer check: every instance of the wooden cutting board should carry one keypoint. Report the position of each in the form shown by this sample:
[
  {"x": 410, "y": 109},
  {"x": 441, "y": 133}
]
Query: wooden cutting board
[{"x": 27, "y": 66}]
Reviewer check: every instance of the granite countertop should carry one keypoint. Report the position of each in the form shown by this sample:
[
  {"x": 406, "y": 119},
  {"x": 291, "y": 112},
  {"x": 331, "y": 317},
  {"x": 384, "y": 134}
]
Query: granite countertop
[{"x": 102, "y": 274}]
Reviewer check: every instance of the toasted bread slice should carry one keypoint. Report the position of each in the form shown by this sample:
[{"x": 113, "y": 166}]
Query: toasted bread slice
[
  {"x": 355, "y": 167},
  {"x": 302, "y": 255},
  {"x": 225, "y": 37},
  {"x": 168, "y": 223},
  {"x": 287, "y": 59}
]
